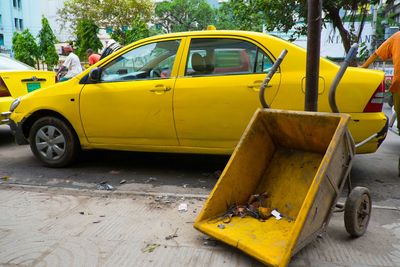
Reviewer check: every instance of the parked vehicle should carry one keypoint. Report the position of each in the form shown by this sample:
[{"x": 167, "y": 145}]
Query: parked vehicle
[
  {"x": 17, "y": 79},
  {"x": 190, "y": 92}
]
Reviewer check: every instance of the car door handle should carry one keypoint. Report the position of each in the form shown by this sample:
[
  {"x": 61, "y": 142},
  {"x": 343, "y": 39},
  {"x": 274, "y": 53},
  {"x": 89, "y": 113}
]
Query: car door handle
[
  {"x": 257, "y": 85},
  {"x": 160, "y": 88}
]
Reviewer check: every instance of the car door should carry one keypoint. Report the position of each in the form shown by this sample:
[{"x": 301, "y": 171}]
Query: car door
[
  {"x": 132, "y": 102},
  {"x": 217, "y": 91}
]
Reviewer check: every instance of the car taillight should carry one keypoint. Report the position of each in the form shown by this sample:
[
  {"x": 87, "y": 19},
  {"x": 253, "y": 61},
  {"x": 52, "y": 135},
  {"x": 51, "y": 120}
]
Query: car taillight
[
  {"x": 375, "y": 104},
  {"x": 3, "y": 89}
]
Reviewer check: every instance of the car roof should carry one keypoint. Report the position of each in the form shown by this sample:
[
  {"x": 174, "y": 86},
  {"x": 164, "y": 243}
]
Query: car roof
[{"x": 8, "y": 63}]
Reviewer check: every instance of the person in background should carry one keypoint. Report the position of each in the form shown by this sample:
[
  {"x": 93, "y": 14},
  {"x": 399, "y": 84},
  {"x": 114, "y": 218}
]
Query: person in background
[
  {"x": 390, "y": 49},
  {"x": 92, "y": 57},
  {"x": 71, "y": 63},
  {"x": 111, "y": 47}
]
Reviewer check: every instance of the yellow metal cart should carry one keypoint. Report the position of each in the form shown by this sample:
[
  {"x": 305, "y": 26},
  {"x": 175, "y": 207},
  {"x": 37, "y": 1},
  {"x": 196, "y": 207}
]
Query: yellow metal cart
[{"x": 300, "y": 161}]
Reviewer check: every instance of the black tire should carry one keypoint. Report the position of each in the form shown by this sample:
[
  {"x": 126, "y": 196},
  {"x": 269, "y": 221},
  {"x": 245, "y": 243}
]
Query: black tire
[
  {"x": 54, "y": 142},
  {"x": 357, "y": 211}
]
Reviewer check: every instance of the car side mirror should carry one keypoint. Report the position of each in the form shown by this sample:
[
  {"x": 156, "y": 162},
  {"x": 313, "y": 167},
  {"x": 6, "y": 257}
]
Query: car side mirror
[{"x": 95, "y": 74}]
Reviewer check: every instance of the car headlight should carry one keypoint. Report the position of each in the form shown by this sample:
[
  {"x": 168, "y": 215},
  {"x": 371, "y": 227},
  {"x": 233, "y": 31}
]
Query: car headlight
[{"x": 15, "y": 104}]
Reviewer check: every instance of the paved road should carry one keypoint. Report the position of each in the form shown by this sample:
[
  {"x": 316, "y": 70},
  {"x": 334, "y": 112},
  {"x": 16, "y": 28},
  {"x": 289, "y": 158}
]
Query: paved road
[{"x": 197, "y": 173}]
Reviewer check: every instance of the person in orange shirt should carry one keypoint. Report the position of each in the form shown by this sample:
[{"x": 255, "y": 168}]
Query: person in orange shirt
[
  {"x": 390, "y": 49},
  {"x": 93, "y": 58}
]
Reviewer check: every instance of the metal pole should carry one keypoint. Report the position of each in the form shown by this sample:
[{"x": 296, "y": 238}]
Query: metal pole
[{"x": 313, "y": 54}]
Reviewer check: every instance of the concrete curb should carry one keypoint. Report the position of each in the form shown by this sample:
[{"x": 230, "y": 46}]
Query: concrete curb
[
  {"x": 121, "y": 193},
  {"x": 97, "y": 193}
]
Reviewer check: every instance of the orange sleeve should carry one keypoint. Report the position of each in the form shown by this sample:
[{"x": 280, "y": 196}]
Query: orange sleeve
[{"x": 385, "y": 50}]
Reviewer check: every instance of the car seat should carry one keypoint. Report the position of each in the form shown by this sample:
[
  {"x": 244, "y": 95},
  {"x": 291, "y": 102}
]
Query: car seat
[{"x": 198, "y": 64}]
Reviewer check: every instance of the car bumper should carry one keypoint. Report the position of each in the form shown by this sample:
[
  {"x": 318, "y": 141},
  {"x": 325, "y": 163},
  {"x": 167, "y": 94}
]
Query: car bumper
[
  {"x": 16, "y": 130},
  {"x": 5, "y": 117},
  {"x": 5, "y": 103},
  {"x": 364, "y": 125}
]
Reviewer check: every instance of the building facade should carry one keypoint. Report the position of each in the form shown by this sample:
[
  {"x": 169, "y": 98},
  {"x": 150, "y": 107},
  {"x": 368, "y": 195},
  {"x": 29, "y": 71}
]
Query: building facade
[
  {"x": 11, "y": 20},
  {"x": 18, "y": 15}
]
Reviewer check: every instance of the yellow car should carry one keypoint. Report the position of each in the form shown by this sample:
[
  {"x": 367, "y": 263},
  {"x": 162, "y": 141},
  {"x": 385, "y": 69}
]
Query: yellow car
[
  {"x": 190, "y": 92},
  {"x": 17, "y": 79}
]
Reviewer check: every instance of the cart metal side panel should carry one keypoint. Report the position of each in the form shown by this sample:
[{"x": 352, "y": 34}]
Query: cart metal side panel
[
  {"x": 289, "y": 155},
  {"x": 328, "y": 192}
]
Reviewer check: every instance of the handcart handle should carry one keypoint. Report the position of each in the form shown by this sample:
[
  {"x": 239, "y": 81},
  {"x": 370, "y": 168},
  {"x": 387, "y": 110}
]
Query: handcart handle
[
  {"x": 332, "y": 91},
  {"x": 269, "y": 77}
]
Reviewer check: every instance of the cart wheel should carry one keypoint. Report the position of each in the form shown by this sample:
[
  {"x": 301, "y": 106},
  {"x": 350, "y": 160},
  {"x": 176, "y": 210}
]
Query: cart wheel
[{"x": 357, "y": 211}]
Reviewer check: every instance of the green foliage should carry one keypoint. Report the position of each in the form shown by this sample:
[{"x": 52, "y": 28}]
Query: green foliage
[
  {"x": 47, "y": 41},
  {"x": 138, "y": 30},
  {"x": 25, "y": 48},
  {"x": 183, "y": 15},
  {"x": 86, "y": 33},
  {"x": 283, "y": 15},
  {"x": 383, "y": 21},
  {"x": 363, "y": 52},
  {"x": 115, "y": 14},
  {"x": 241, "y": 15}
]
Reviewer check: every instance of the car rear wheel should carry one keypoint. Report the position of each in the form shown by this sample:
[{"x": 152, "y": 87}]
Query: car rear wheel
[{"x": 53, "y": 142}]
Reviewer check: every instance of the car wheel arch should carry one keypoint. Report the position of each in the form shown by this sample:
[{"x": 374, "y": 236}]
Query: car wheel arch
[{"x": 29, "y": 121}]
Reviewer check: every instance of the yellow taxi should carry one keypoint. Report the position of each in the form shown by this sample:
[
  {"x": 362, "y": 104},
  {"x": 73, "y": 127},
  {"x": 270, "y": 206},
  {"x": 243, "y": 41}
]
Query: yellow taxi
[
  {"x": 17, "y": 79},
  {"x": 189, "y": 92}
]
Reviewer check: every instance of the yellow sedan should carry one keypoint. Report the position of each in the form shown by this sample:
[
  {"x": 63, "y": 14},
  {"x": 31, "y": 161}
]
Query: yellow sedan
[
  {"x": 17, "y": 79},
  {"x": 190, "y": 92}
]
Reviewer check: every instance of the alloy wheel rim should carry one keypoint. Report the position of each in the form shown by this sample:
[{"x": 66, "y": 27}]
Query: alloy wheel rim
[{"x": 50, "y": 142}]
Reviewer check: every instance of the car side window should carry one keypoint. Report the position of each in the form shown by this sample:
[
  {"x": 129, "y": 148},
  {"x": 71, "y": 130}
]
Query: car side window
[
  {"x": 150, "y": 61},
  {"x": 220, "y": 56},
  {"x": 263, "y": 63}
]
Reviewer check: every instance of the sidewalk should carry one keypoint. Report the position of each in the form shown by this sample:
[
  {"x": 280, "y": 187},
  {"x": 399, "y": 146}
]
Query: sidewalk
[{"x": 60, "y": 227}]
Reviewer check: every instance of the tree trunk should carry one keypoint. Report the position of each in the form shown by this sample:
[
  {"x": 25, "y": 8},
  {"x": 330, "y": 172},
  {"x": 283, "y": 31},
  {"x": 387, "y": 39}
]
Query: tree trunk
[
  {"x": 333, "y": 14},
  {"x": 362, "y": 23}
]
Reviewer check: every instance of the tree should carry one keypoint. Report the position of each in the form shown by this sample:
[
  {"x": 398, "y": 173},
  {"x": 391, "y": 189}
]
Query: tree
[
  {"x": 183, "y": 15},
  {"x": 284, "y": 15},
  {"x": 86, "y": 37},
  {"x": 385, "y": 18},
  {"x": 113, "y": 14},
  {"x": 138, "y": 29},
  {"x": 25, "y": 48},
  {"x": 240, "y": 15},
  {"x": 47, "y": 41}
]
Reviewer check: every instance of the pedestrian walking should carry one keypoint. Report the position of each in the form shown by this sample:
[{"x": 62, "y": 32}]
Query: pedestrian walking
[
  {"x": 390, "y": 49},
  {"x": 71, "y": 63},
  {"x": 92, "y": 57}
]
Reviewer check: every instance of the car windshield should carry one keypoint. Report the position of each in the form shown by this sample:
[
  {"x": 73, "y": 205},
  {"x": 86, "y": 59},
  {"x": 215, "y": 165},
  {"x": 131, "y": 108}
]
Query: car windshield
[{"x": 7, "y": 63}]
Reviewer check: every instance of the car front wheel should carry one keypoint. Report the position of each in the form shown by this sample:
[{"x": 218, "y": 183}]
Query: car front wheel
[{"x": 53, "y": 142}]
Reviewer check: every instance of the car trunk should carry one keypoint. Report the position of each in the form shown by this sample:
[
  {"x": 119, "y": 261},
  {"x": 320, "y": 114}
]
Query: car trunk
[
  {"x": 358, "y": 89},
  {"x": 22, "y": 82}
]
